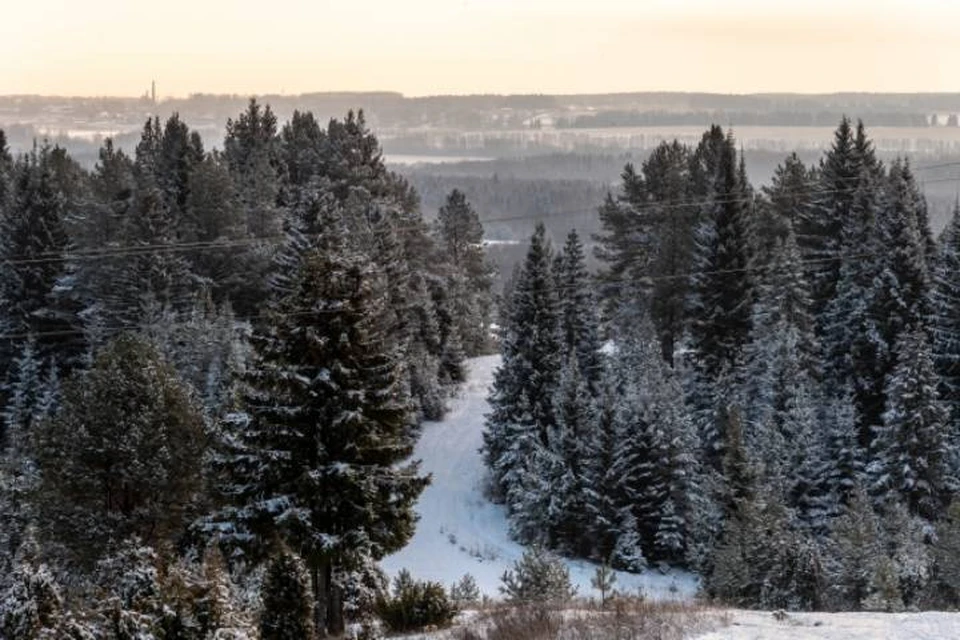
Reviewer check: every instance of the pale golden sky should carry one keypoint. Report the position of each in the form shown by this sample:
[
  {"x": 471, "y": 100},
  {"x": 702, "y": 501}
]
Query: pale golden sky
[{"x": 418, "y": 47}]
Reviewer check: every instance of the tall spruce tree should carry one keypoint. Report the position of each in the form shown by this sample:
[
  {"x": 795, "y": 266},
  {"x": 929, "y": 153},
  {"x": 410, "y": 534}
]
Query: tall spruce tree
[
  {"x": 579, "y": 325},
  {"x": 723, "y": 289},
  {"x": 945, "y": 315},
  {"x": 524, "y": 385},
  {"x": 820, "y": 226},
  {"x": 324, "y": 427}
]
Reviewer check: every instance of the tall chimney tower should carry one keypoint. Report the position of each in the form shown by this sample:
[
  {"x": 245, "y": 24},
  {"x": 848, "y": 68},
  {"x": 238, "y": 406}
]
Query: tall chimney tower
[{"x": 153, "y": 91}]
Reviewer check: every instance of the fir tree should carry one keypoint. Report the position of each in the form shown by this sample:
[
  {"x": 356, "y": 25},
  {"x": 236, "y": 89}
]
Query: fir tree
[
  {"x": 910, "y": 454},
  {"x": 524, "y": 385},
  {"x": 315, "y": 451},
  {"x": 287, "y": 600}
]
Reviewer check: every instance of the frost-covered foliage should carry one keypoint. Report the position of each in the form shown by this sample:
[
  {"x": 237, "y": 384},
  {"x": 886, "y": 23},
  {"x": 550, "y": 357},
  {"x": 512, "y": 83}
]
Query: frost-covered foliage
[
  {"x": 465, "y": 592},
  {"x": 31, "y": 604},
  {"x": 776, "y": 413},
  {"x": 537, "y": 577},
  {"x": 315, "y": 458},
  {"x": 193, "y": 255}
]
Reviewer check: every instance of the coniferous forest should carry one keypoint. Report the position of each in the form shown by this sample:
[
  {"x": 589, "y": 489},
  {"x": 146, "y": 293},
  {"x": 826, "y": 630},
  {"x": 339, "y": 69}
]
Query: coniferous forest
[
  {"x": 760, "y": 385},
  {"x": 214, "y": 365}
]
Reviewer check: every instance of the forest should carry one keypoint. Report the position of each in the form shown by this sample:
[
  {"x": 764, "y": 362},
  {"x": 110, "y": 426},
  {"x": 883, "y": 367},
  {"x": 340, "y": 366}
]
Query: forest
[
  {"x": 775, "y": 403},
  {"x": 215, "y": 364}
]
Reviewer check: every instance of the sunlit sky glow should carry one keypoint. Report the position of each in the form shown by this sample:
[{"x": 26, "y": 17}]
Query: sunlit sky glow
[{"x": 421, "y": 47}]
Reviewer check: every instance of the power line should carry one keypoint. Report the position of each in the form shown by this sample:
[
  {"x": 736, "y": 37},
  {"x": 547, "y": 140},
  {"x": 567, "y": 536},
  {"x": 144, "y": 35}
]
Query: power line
[
  {"x": 770, "y": 266},
  {"x": 187, "y": 247}
]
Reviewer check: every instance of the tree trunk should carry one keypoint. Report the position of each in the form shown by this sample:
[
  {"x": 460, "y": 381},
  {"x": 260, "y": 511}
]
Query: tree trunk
[
  {"x": 328, "y": 601},
  {"x": 318, "y": 576}
]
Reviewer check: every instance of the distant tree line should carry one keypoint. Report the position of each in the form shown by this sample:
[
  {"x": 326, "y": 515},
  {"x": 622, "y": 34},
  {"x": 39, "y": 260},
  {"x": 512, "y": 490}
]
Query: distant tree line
[{"x": 742, "y": 118}]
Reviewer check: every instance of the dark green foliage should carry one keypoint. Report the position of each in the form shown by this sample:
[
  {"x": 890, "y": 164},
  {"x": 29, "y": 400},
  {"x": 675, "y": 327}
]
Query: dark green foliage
[
  {"x": 522, "y": 397},
  {"x": 315, "y": 461},
  {"x": 460, "y": 242},
  {"x": 416, "y": 604},
  {"x": 288, "y": 602},
  {"x": 122, "y": 455}
]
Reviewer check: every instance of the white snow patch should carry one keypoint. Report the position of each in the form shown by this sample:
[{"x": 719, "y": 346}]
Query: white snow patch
[
  {"x": 752, "y": 625},
  {"x": 461, "y": 532}
]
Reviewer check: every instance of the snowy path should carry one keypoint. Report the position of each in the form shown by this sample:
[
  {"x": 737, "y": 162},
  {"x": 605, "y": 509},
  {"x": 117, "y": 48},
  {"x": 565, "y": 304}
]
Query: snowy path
[
  {"x": 760, "y": 625},
  {"x": 460, "y": 531}
]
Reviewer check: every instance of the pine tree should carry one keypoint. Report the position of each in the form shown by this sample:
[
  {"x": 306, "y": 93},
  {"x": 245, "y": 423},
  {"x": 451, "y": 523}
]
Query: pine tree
[
  {"x": 315, "y": 452},
  {"x": 460, "y": 239}
]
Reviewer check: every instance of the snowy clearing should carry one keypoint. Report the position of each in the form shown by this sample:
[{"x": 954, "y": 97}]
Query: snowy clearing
[
  {"x": 460, "y": 531},
  {"x": 756, "y": 625}
]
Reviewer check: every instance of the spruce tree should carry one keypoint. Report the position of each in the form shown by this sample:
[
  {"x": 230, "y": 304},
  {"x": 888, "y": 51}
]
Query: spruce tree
[
  {"x": 524, "y": 385},
  {"x": 579, "y": 328},
  {"x": 820, "y": 227},
  {"x": 316, "y": 449},
  {"x": 945, "y": 316},
  {"x": 910, "y": 453}
]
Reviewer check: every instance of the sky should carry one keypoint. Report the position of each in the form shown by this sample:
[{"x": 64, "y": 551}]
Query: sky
[{"x": 427, "y": 47}]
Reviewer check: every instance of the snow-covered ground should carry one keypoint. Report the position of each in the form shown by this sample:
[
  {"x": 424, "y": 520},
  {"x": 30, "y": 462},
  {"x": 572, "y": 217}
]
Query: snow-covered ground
[
  {"x": 756, "y": 625},
  {"x": 461, "y": 532}
]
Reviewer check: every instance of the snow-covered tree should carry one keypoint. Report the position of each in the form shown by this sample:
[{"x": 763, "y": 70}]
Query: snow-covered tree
[
  {"x": 524, "y": 385},
  {"x": 910, "y": 457},
  {"x": 288, "y": 602},
  {"x": 123, "y": 453},
  {"x": 31, "y": 604},
  {"x": 313, "y": 456},
  {"x": 579, "y": 329}
]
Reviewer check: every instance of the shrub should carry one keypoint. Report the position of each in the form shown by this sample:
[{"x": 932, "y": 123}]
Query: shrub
[
  {"x": 537, "y": 577},
  {"x": 465, "y": 591},
  {"x": 416, "y": 604}
]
